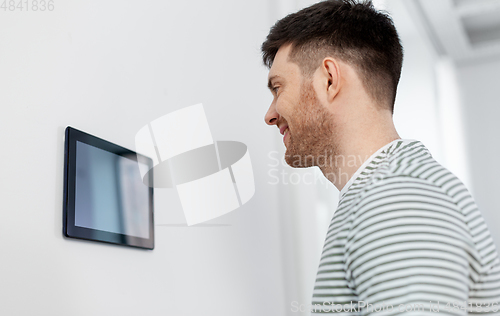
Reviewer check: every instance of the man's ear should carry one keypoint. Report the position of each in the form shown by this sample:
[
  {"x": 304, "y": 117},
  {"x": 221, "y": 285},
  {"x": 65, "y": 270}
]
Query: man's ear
[{"x": 331, "y": 77}]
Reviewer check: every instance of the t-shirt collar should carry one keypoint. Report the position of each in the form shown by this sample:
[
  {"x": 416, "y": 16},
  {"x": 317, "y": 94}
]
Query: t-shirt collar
[{"x": 366, "y": 163}]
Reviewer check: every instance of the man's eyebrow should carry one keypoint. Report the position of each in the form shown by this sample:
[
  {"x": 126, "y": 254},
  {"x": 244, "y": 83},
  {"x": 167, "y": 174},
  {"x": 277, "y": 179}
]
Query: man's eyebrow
[{"x": 269, "y": 82}]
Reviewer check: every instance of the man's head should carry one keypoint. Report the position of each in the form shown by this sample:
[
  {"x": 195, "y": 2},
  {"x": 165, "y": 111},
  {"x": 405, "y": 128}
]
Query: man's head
[{"x": 324, "y": 61}]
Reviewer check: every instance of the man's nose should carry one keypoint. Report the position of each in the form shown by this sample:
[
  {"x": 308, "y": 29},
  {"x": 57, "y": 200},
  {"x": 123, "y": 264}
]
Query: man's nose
[{"x": 272, "y": 116}]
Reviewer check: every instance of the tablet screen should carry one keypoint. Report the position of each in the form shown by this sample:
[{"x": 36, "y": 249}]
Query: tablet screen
[
  {"x": 106, "y": 198},
  {"x": 110, "y": 195}
]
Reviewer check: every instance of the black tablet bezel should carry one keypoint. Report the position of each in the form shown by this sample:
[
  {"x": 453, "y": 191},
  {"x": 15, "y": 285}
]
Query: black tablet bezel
[{"x": 69, "y": 229}]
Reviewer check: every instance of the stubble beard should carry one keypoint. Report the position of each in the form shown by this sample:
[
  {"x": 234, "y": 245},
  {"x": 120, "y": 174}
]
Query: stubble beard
[{"x": 313, "y": 140}]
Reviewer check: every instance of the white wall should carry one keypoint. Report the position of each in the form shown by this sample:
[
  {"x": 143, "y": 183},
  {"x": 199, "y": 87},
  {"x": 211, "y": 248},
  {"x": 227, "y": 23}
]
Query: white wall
[
  {"x": 416, "y": 107},
  {"x": 479, "y": 91},
  {"x": 108, "y": 68}
]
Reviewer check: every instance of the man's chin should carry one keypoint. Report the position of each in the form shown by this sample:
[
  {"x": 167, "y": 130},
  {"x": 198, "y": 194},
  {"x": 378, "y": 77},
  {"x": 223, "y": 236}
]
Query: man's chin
[{"x": 298, "y": 160}]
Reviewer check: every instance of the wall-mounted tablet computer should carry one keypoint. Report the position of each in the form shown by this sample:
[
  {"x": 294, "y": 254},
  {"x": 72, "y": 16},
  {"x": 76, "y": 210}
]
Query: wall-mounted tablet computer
[{"x": 105, "y": 197}]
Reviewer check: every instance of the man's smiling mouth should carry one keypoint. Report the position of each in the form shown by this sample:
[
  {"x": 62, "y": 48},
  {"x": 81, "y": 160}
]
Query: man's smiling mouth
[
  {"x": 283, "y": 129},
  {"x": 285, "y": 132}
]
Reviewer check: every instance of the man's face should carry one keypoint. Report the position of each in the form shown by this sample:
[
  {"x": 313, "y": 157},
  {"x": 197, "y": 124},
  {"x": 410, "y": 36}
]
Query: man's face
[{"x": 307, "y": 126}]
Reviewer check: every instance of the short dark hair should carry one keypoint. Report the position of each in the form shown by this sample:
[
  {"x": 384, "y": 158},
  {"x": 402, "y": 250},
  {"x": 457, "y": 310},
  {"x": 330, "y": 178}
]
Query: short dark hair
[{"x": 355, "y": 32}]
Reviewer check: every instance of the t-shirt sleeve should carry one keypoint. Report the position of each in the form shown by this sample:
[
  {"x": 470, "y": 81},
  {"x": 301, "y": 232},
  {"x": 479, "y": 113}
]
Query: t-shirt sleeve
[{"x": 408, "y": 250}]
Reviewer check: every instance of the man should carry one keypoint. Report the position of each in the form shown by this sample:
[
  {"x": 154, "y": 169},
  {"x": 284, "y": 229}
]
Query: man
[{"x": 407, "y": 236}]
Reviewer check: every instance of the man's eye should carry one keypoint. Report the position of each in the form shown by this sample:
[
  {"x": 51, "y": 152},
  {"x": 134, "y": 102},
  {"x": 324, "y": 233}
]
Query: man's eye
[{"x": 275, "y": 89}]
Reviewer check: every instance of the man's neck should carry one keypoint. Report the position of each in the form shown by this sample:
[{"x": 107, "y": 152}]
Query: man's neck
[{"x": 343, "y": 166}]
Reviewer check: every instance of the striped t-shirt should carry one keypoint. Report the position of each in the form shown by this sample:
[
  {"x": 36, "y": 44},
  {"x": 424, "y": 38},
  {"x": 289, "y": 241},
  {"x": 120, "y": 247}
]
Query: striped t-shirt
[{"x": 408, "y": 235}]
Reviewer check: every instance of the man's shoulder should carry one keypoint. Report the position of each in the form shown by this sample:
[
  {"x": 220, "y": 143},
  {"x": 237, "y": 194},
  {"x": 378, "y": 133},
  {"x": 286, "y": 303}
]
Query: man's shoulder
[
  {"x": 413, "y": 185},
  {"x": 411, "y": 167},
  {"x": 405, "y": 170},
  {"x": 412, "y": 162}
]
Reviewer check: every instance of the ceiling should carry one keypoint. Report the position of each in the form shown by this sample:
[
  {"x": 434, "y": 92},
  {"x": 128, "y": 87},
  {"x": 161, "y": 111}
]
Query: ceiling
[{"x": 465, "y": 30}]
